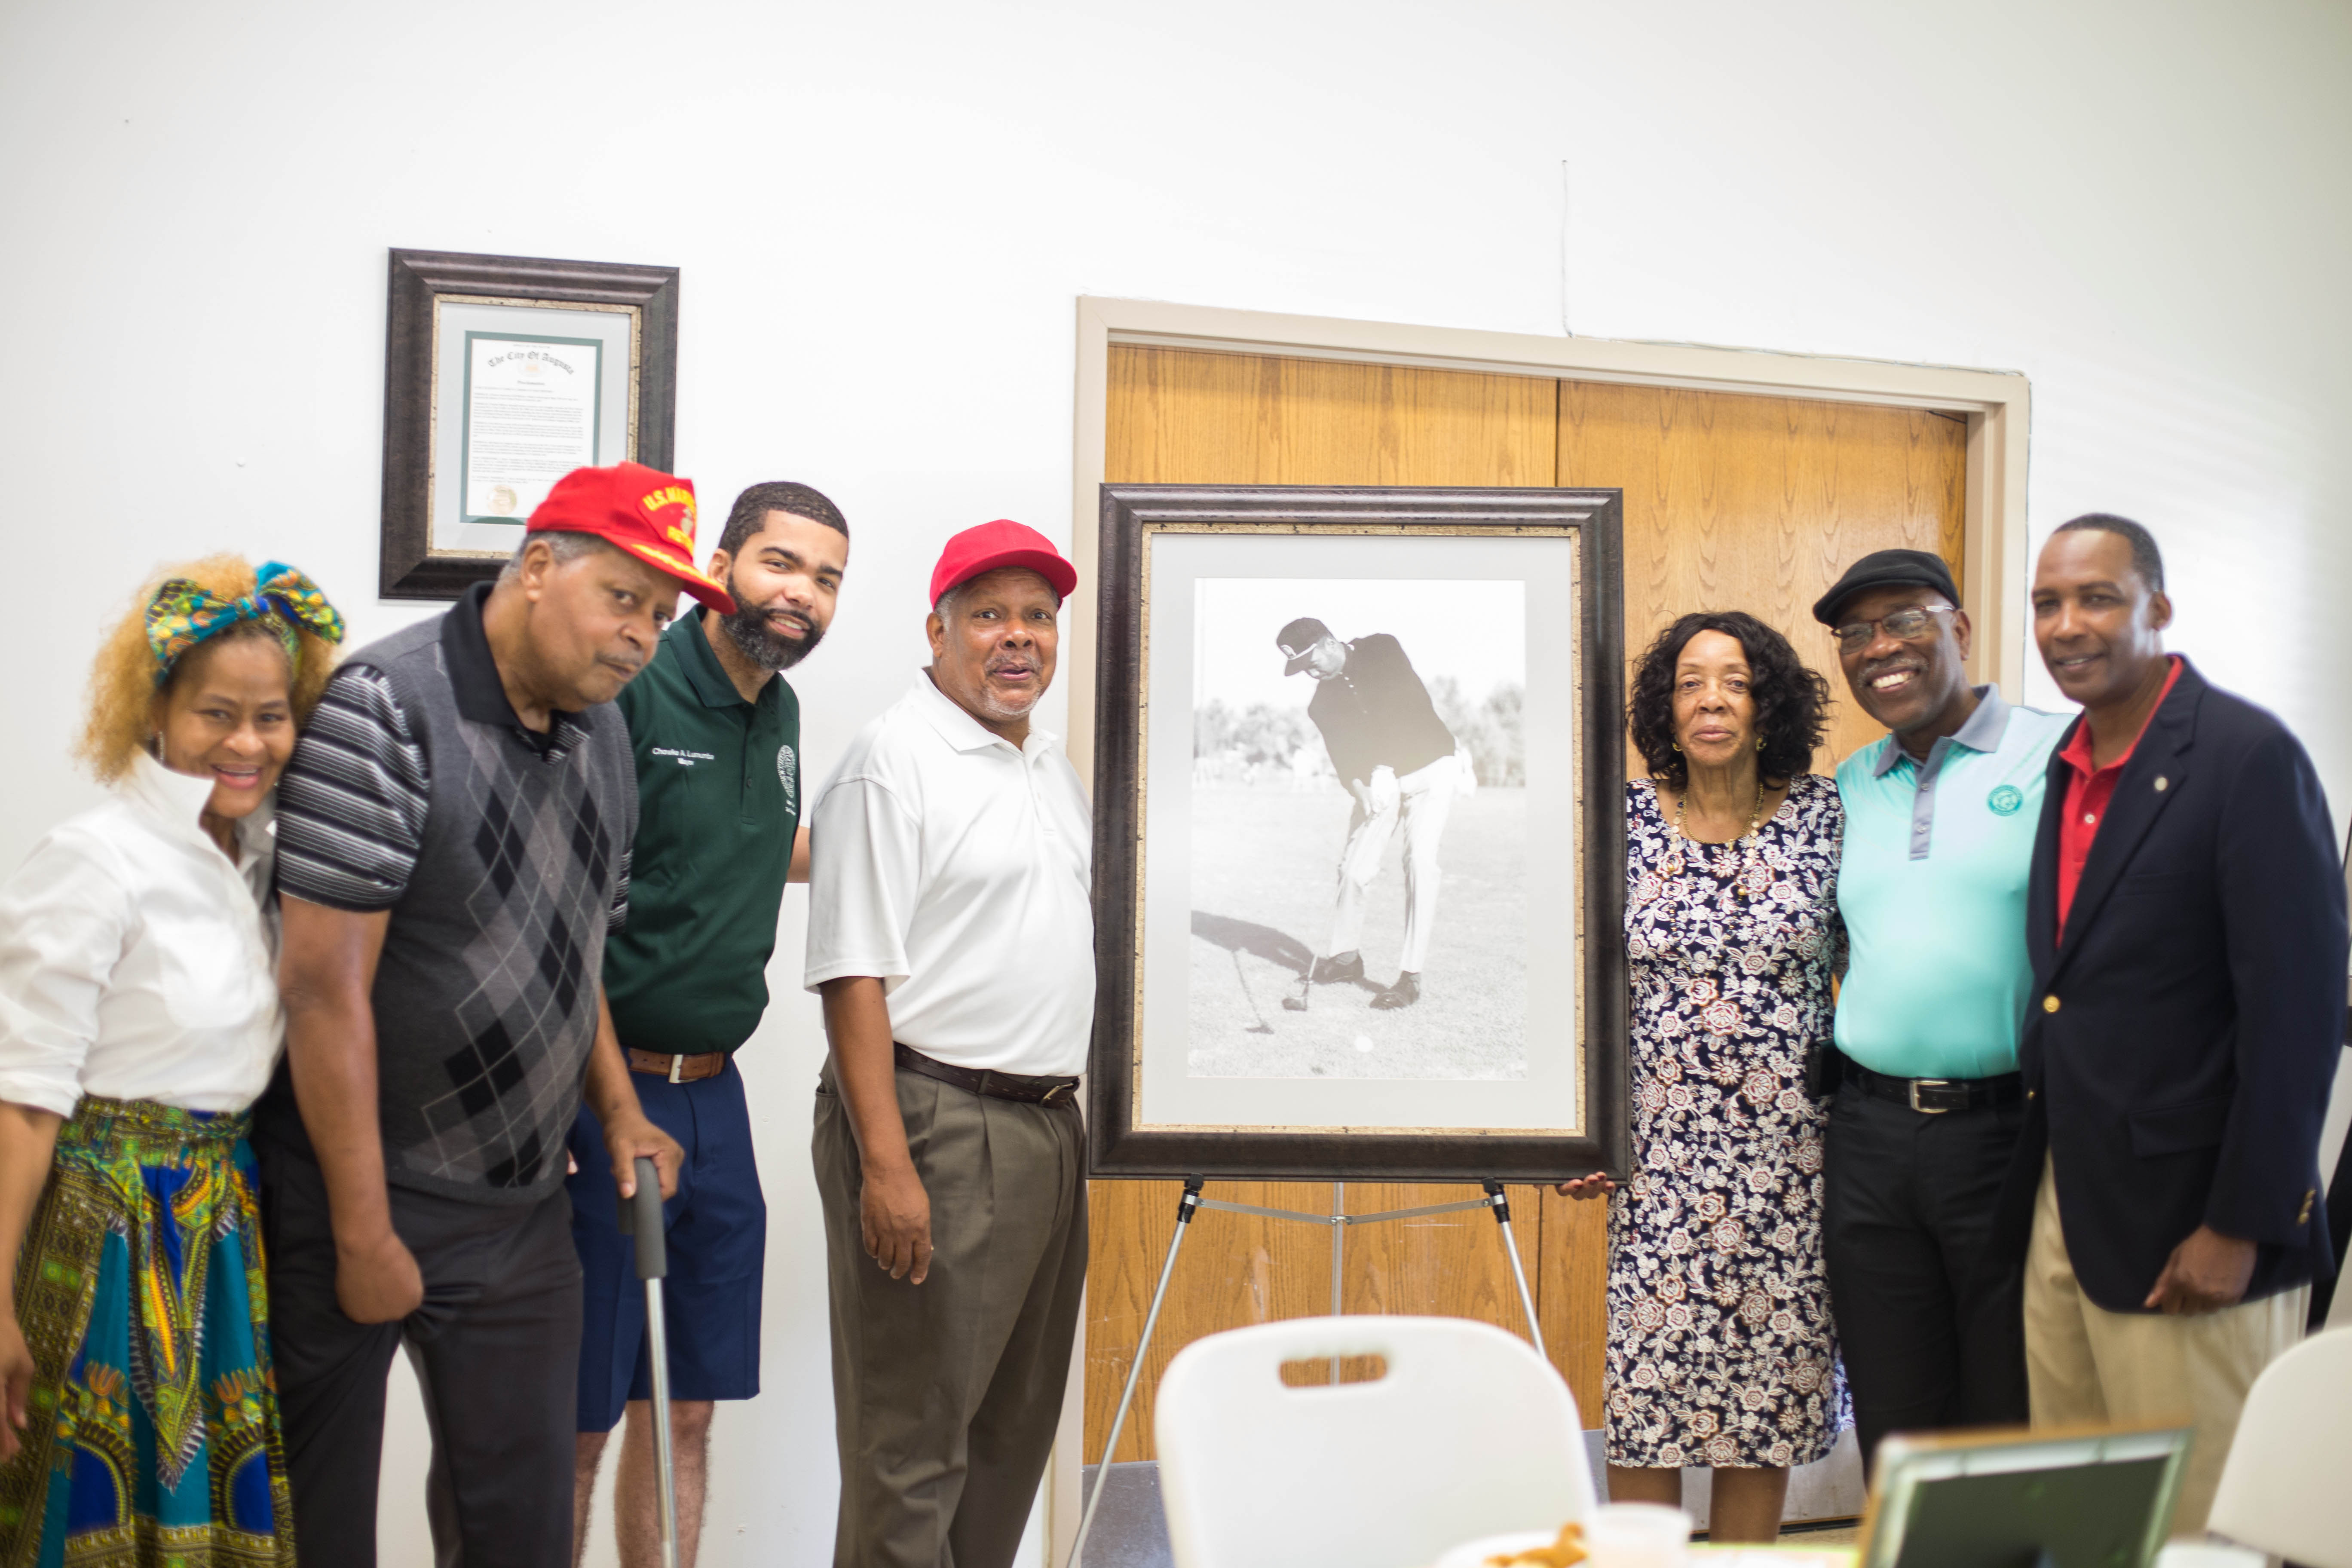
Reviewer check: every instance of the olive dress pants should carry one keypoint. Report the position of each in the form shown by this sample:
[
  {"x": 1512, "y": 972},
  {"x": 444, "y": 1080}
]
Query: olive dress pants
[{"x": 946, "y": 1394}]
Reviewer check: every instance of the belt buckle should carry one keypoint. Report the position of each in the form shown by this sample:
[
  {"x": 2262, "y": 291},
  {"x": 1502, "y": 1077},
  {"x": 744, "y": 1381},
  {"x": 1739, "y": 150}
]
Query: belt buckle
[
  {"x": 677, "y": 1066},
  {"x": 1931, "y": 1083}
]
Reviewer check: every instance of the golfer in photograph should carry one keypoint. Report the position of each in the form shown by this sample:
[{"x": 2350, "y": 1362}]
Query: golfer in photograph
[{"x": 1397, "y": 758}]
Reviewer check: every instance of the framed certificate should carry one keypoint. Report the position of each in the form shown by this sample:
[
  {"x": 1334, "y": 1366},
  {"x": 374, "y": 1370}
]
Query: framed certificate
[{"x": 502, "y": 373}]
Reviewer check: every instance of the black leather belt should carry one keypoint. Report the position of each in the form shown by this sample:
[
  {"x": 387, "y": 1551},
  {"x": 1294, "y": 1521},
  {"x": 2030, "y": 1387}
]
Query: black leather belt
[
  {"x": 1936, "y": 1096},
  {"x": 990, "y": 1082}
]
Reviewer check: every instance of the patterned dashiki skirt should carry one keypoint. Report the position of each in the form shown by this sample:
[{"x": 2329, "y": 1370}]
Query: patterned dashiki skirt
[{"x": 154, "y": 1435}]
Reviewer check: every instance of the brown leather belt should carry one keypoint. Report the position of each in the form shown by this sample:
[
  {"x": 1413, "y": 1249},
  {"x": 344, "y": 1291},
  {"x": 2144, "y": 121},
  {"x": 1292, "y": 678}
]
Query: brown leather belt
[
  {"x": 990, "y": 1082},
  {"x": 677, "y": 1069}
]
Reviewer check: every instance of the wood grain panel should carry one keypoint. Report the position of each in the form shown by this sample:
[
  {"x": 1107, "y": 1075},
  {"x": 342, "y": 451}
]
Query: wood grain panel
[
  {"x": 1730, "y": 503},
  {"x": 1758, "y": 503},
  {"x": 1182, "y": 418},
  {"x": 1572, "y": 1285},
  {"x": 1237, "y": 1269}
]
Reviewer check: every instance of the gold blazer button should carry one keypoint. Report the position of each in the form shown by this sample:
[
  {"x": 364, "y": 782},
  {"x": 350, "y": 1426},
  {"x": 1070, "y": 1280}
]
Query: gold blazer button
[
  {"x": 2050, "y": 1004},
  {"x": 2162, "y": 784}
]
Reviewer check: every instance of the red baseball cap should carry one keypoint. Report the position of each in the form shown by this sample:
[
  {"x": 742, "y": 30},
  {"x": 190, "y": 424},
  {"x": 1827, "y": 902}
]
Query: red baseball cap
[
  {"x": 1000, "y": 543},
  {"x": 643, "y": 511}
]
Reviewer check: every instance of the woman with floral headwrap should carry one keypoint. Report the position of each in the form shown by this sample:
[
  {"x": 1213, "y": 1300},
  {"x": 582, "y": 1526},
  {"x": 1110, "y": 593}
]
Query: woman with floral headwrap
[{"x": 139, "y": 1019}]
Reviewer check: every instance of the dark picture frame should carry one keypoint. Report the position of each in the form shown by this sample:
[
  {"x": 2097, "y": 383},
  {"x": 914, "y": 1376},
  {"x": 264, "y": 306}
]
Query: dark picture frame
[
  {"x": 1131, "y": 516},
  {"x": 410, "y": 567}
]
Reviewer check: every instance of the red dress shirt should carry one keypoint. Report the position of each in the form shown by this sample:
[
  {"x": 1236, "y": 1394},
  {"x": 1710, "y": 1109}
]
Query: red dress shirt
[{"x": 2087, "y": 793}]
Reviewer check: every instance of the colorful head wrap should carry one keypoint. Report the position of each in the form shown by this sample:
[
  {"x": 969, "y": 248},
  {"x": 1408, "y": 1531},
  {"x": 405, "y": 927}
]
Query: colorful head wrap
[{"x": 182, "y": 614}]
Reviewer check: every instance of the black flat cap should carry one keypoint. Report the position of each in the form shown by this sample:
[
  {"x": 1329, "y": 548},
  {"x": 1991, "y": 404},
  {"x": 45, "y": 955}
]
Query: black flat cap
[
  {"x": 1887, "y": 569},
  {"x": 1297, "y": 639}
]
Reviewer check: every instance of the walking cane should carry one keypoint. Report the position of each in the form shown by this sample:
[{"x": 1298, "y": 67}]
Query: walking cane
[{"x": 643, "y": 1218}]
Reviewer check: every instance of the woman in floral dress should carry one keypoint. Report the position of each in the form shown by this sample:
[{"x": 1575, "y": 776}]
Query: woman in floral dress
[{"x": 1721, "y": 1351}]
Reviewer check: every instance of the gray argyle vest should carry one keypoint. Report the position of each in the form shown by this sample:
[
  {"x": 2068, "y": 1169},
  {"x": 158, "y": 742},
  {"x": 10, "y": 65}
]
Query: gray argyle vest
[{"x": 486, "y": 994}]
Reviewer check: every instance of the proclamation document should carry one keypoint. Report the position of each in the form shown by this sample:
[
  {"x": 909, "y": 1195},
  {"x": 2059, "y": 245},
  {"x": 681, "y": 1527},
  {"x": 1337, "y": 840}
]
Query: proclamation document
[{"x": 531, "y": 416}]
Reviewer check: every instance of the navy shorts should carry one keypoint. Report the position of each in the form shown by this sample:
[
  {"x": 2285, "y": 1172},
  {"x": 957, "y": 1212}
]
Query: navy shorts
[{"x": 717, "y": 1227}]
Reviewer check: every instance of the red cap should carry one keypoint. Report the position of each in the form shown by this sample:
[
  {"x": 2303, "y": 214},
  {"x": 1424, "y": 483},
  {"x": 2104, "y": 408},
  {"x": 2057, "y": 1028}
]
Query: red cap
[
  {"x": 643, "y": 511},
  {"x": 1000, "y": 543}
]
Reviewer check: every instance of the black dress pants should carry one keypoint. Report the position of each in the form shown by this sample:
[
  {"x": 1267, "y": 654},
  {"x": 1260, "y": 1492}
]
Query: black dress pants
[
  {"x": 497, "y": 1352},
  {"x": 1933, "y": 1330}
]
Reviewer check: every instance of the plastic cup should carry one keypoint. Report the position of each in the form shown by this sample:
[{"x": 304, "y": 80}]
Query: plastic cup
[{"x": 1637, "y": 1535}]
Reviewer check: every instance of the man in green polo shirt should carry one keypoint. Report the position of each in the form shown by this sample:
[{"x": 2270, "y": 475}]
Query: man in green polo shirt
[
  {"x": 716, "y": 731},
  {"x": 1940, "y": 817}
]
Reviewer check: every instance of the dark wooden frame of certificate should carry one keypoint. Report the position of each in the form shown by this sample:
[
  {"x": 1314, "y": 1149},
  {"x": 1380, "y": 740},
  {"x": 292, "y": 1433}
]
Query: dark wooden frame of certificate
[
  {"x": 409, "y": 567},
  {"x": 1118, "y": 1148}
]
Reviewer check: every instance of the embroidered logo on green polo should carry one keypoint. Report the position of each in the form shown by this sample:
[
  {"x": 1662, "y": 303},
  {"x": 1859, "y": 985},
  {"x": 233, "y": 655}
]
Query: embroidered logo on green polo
[
  {"x": 788, "y": 774},
  {"x": 2005, "y": 800}
]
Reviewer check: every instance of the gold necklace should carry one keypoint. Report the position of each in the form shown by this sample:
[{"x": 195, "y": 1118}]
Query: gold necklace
[{"x": 1747, "y": 855}]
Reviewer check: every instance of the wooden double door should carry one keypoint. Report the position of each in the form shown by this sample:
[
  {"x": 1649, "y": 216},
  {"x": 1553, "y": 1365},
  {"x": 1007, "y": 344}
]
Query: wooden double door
[{"x": 1731, "y": 502}]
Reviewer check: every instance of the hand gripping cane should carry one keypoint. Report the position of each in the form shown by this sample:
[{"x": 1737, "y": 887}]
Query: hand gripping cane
[{"x": 641, "y": 1217}]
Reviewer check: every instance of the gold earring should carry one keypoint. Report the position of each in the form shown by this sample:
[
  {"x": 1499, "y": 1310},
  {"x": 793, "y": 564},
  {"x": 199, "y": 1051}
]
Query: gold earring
[
  {"x": 1760, "y": 743},
  {"x": 1678, "y": 745}
]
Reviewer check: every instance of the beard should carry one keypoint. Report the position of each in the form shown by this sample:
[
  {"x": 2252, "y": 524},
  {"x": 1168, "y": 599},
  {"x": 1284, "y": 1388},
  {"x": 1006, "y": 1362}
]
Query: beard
[{"x": 748, "y": 630}]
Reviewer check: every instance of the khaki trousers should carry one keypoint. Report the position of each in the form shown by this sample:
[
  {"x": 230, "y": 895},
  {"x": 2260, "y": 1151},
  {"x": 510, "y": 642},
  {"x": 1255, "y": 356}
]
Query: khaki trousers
[
  {"x": 946, "y": 1394},
  {"x": 2086, "y": 1364},
  {"x": 1424, "y": 799}
]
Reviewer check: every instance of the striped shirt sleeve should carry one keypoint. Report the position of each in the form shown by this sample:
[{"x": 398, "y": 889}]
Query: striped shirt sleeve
[{"x": 352, "y": 804}]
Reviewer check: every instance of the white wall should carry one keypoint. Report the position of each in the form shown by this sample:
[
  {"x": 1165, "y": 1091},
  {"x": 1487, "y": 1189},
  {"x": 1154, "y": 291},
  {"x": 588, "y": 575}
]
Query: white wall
[{"x": 884, "y": 213}]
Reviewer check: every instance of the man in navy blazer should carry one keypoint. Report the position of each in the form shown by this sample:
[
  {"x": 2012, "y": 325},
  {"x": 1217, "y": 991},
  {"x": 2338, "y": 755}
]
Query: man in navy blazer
[{"x": 2185, "y": 919}]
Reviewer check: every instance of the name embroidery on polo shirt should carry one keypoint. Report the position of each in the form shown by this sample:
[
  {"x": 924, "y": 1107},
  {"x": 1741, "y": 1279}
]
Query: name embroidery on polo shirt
[
  {"x": 685, "y": 759},
  {"x": 2005, "y": 800}
]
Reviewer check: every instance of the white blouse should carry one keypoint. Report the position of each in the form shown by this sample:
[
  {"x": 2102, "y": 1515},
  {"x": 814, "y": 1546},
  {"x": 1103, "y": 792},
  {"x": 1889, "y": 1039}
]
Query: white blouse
[{"x": 136, "y": 962}]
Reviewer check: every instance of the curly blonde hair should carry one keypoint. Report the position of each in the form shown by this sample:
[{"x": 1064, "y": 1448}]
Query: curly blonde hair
[{"x": 123, "y": 686}]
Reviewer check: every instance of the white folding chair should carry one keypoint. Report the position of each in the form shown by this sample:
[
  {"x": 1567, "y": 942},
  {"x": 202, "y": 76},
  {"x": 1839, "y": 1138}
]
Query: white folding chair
[
  {"x": 2282, "y": 1488},
  {"x": 1470, "y": 1433}
]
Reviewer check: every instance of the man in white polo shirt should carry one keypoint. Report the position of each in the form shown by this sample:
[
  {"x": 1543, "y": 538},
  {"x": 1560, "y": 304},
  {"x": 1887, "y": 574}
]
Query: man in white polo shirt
[{"x": 952, "y": 936}]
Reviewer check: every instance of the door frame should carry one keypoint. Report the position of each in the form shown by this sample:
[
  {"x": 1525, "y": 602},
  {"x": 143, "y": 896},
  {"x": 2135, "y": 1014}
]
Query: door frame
[{"x": 1997, "y": 405}]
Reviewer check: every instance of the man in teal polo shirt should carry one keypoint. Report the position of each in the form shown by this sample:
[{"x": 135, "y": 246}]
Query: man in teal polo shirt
[
  {"x": 1941, "y": 817},
  {"x": 716, "y": 731}
]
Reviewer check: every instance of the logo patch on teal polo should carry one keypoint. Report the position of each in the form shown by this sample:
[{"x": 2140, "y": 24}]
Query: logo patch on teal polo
[{"x": 2005, "y": 800}]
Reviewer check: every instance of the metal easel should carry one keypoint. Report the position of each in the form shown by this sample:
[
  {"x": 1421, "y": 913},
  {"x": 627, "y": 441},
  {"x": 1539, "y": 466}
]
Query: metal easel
[{"x": 1339, "y": 1220}]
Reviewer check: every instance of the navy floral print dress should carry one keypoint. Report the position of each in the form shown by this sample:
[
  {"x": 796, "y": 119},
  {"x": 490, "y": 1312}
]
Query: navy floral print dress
[{"x": 1721, "y": 1350}]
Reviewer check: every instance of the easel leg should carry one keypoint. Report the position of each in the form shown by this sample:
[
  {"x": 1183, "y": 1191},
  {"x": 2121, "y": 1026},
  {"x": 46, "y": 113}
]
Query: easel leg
[
  {"x": 1511, "y": 1249},
  {"x": 1338, "y": 1237},
  {"x": 1186, "y": 1207}
]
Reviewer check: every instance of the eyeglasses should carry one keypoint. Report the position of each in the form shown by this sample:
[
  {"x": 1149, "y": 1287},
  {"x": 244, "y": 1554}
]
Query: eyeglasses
[{"x": 1907, "y": 624}]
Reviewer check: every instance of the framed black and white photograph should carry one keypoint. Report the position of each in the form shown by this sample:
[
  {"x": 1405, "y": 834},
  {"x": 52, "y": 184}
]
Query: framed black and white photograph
[
  {"x": 502, "y": 373},
  {"x": 1359, "y": 851}
]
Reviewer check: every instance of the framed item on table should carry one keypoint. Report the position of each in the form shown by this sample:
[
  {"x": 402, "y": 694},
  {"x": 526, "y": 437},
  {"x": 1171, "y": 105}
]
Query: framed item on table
[
  {"x": 1360, "y": 844},
  {"x": 2090, "y": 1494},
  {"x": 501, "y": 374}
]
